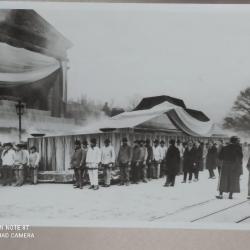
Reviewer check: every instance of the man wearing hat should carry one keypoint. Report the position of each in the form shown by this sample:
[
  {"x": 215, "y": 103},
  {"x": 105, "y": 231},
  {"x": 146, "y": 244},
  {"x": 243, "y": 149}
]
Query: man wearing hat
[
  {"x": 19, "y": 163},
  {"x": 77, "y": 161},
  {"x": 231, "y": 157},
  {"x": 124, "y": 161},
  {"x": 157, "y": 156},
  {"x": 93, "y": 160},
  {"x": 107, "y": 160},
  {"x": 8, "y": 159}
]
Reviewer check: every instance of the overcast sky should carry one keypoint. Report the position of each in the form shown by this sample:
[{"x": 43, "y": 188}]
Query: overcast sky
[{"x": 198, "y": 53}]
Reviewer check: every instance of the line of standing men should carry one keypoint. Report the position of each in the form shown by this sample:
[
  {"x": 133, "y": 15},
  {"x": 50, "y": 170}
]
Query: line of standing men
[
  {"x": 141, "y": 162},
  {"x": 17, "y": 164}
]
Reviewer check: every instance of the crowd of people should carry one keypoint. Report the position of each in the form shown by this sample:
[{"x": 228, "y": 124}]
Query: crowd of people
[
  {"x": 140, "y": 161},
  {"x": 18, "y": 165},
  {"x": 144, "y": 161}
]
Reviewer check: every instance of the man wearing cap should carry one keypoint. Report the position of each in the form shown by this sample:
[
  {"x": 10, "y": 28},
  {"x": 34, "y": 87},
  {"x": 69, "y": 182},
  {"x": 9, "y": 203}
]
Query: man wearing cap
[
  {"x": 157, "y": 156},
  {"x": 34, "y": 159},
  {"x": 8, "y": 159},
  {"x": 231, "y": 156},
  {"x": 124, "y": 161},
  {"x": 107, "y": 160},
  {"x": 76, "y": 163},
  {"x": 19, "y": 163},
  {"x": 93, "y": 160},
  {"x": 149, "y": 160}
]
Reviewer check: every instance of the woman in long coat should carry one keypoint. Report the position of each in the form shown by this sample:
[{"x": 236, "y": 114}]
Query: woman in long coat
[
  {"x": 231, "y": 156},
  {"x": 172, "y": 162},
  {"x": 211, "y": 160}
]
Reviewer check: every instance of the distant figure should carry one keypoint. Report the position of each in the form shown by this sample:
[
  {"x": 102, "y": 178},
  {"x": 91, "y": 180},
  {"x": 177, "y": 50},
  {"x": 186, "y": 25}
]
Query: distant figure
[
  {"x": 124, "y": 161},
  {"x": 93, "y": 161},
  {"x": 77, "y": 163},
  {"x": 189, "y": 162},
  {"x": 211, "y": 160},
  {"x": 149, "y": 161},
  {"x": 34, "y": 159},
  {"x": 245, "y": 151},
  {"x": 220, "y": 145},
  {"x": 164, "y": 149},
  {"x": 139, "y": 158},
  {"x": 26, "y": 170},
  {"x": 20, "y": 160},
  {"x": 157, "y": 157},
  {"x": 107, "y": 160},
  {"x": 8, "y": 159},
  {"x": 172, "y": 164},
  {"x": 144, "y": 157},
  {"x": 198, "y": 166},
  {"x": 136, "y": 161},
  {"x": 181, "y": 148},
  {"x": 231, "y": 156}
]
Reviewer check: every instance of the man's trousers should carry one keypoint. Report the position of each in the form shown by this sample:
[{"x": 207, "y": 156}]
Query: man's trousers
[
  {"x": 19, "y": 175},
  {"x": 156, "y": 169},
  {"x": 93, "y": 176},
  {"x": 7, "y": 172},
  {"x": 78, "y": 176},
  {"x": 124, "y": 173},
  {"x": 107, "y": 173},
  {"x": 33, "y": 175}
]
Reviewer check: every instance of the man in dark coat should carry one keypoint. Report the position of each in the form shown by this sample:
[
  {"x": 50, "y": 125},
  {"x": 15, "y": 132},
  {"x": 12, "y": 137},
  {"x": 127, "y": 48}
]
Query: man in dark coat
[
  {"x": 211, "y": 160},
  {"x": 231, "y": 156},
  {"x": 78, "y": 161},
  {"x": 124, "y": 161},
  {"x": 189, "y": 162},
  {"x": 172, "y": 162},
  {"x": 149, "y": 160},
  {"x": 199, "y": 153}
]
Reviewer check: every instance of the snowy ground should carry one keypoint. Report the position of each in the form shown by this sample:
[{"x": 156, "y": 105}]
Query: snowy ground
[{"x": 150, "y": 203}]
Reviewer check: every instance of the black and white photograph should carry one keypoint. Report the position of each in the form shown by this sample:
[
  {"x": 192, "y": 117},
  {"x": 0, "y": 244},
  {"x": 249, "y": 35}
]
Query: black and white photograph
[{"x": 125, "y": 115}]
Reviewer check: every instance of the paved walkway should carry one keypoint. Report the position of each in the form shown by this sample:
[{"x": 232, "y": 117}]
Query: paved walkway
[{"x": 60, "y": 204}]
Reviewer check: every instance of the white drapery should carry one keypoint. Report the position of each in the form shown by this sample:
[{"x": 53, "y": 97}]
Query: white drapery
[
  {"x": 19, "y": 66},
  {"x": 179, "y": 117}
]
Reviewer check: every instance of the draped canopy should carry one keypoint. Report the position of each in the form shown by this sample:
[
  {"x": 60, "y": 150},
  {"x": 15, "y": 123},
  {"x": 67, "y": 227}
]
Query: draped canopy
[
  {"x": 177, "y": 115},
  {"x": 21, "y": 66}
]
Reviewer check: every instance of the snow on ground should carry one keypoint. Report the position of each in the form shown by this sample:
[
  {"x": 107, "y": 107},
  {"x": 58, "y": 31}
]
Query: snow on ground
[{"x": 62, "y": 205}]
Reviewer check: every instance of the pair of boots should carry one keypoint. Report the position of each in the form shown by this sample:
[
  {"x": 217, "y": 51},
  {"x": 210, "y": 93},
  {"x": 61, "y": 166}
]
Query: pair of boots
[
  {"x": 220, "y": 196},
  {"x": 94, "y": 187}
]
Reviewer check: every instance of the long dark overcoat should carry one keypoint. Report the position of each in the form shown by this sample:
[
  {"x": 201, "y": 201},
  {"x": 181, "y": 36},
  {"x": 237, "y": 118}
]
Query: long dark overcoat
[
  {"x": 189, "y": 159},
  {"x": 212, "y": 158},
  {"x": 173, "y": 160},
  {"x": 231, "y": 157}
]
